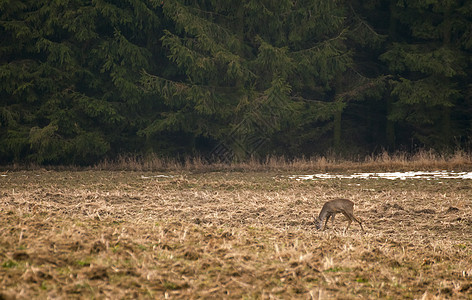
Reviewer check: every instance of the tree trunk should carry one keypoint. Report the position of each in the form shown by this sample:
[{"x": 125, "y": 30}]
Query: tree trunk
[
  {"x": 446, "y": 130},
  {"x": 337, "y": 128}
]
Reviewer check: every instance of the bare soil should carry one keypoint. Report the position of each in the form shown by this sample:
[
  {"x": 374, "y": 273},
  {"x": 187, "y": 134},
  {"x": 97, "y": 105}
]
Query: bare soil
[{"x": 223, "y": 235}]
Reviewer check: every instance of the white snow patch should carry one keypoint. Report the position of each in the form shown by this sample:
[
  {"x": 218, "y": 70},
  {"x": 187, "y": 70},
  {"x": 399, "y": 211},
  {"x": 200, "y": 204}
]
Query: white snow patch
[
  {"x": 157, "y": 176},
  {"x": 389, "y": 175}
]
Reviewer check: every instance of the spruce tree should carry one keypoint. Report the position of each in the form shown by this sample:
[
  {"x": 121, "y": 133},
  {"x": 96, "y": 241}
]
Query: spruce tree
[
  {"x": 252, "y": 75},
  {"x": 428, "y": 55},
  {"x": 69, "y": 71}
]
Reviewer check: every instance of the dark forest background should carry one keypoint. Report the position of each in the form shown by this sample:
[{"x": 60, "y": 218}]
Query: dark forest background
[{"x": 82, "y": 81}]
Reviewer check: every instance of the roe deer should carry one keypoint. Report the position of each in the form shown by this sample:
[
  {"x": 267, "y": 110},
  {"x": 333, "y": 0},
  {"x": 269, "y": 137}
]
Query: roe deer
[{"x": 331, "y": 208}]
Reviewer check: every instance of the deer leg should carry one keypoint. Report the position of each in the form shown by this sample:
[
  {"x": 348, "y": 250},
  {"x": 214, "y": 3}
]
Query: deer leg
[
  {"x": 351, "y": 217},
  {"x": 332, "y": 220},
  {"x": 360, "y": 223},
  {"x": 349, "y": 220},
  {"x": 326, "y": 222}
]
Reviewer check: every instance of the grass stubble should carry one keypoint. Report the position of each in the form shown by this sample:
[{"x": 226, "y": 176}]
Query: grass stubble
[{"x": 240, "y": 235}]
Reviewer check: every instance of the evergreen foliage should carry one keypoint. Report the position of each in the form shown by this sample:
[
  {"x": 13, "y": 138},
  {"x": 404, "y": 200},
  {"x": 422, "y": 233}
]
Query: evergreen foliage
[
  {"x": 251, "y": 71},
  {"x": 69, "y": 73},
  {"x": 84, "y": 80},
  {"x": 429, "y": 61}
]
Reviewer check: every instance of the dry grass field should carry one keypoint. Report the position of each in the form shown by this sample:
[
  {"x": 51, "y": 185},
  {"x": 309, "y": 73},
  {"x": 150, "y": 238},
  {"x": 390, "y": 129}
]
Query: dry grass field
[{"x": 230, "y": 235}]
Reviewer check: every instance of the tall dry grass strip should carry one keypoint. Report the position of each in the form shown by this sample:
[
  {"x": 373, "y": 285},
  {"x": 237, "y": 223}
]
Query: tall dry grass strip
[{"x": 401, "y": 161}]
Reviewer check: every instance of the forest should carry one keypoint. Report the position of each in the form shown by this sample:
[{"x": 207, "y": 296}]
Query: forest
[{"x": 87, "y": 80}]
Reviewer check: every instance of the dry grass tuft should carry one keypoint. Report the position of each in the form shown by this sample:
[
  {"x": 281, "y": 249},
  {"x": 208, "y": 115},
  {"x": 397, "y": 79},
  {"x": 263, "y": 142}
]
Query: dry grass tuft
[
  {"x": 97, "y": 234},
  {"x": 401, "y": 161}
]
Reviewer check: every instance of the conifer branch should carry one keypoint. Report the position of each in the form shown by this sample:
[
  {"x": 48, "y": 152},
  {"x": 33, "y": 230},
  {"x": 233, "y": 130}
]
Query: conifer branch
[{"x": 341, "y": 35}]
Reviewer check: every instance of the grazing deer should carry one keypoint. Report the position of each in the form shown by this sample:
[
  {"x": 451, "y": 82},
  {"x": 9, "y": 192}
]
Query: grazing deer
[{"x": 331, "y": 208}]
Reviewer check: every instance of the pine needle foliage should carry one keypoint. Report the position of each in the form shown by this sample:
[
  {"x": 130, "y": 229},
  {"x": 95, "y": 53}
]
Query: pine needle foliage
[
  {"x": 250, "y": 78},
  {"x": 69, "y": 71},
  {"x": 83, "y": 81},
  {"x": 430, "y": 68}
]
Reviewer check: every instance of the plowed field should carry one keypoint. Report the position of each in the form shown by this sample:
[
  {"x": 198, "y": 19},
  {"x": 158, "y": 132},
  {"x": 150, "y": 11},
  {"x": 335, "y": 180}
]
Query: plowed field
[{"x": 222, "y": 235}]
